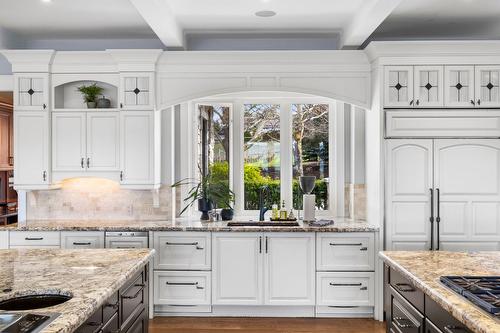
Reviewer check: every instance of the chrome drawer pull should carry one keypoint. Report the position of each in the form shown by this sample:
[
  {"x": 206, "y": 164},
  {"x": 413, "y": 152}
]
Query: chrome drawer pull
[
  {"x": 185, "y": 284},
  {"x": 137, "y": 293},
  {"x": 404, "y": 287},
  {"x": 78, "y": 243},
  {"x": 404, "y": 322},
  {"x": 453, "y": 329},
  {"x": 186, "y": 244},
  {"x": 33, "y": 238},
  {"x": 346, "y": 244}
]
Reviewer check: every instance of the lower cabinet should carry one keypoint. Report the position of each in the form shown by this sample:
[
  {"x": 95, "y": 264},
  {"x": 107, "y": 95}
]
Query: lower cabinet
[
  {"x": 181, "y": 288},
  {"x": 263, "y": 268},
  {"x": 82, "y": 239},
  {"x": 345, "y": 289}
]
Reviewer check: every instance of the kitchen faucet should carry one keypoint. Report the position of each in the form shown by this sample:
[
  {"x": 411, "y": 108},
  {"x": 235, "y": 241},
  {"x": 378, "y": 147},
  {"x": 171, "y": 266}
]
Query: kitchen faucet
[{"x": 263, "y": 194}]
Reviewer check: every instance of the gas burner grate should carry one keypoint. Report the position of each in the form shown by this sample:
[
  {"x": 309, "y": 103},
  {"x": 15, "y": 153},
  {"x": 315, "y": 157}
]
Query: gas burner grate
[{"x": 484, "y": 291}]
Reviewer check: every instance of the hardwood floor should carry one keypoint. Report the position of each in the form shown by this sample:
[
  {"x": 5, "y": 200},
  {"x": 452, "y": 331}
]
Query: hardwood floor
[{"x": 263, "y": 325}]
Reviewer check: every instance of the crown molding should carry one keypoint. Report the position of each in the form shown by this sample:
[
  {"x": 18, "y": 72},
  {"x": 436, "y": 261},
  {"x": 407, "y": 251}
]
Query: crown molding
[
  {"x": 33, "y": 61},
  {"x": 131, "y": 60}
]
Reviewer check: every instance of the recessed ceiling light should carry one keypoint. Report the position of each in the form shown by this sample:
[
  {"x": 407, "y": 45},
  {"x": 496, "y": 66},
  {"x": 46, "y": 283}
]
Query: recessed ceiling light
[
  {"x": 47, "y": 1},
  {"x": 265, "y": 13}
]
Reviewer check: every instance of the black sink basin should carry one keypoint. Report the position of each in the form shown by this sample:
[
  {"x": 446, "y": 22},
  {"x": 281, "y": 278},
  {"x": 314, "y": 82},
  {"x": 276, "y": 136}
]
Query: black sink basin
[{"x": 31, "y": 302}]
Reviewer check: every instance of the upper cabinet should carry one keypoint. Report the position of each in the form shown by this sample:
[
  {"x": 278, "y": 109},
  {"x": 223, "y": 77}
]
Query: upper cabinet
[
  {"x": 31, "y": 91},
  {"x": 442, "y": 86},
  {"x": 137, "y": 91}
]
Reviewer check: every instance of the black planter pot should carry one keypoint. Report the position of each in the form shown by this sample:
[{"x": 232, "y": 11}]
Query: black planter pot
[
  {"x": 227, "y": 214},
  {"x": 204, "y": 206}
]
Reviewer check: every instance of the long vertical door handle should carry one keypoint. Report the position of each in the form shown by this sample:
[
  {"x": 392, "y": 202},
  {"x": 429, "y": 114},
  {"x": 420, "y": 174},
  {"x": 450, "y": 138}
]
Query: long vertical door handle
[
  {"x": 438, "y": 217},
  {"x": 431, "y": 219},
  {"x": 266, "y": 244},
  {"x": 88, "y": 162},
  {"x": 260, "y": 244}
]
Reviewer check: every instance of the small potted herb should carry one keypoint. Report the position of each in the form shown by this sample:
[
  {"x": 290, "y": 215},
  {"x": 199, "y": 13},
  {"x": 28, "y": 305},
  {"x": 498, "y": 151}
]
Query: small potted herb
[{"x": 90, "y": 94}]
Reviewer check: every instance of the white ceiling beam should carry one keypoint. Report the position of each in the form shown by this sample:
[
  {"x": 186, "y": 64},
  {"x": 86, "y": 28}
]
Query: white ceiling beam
[
  {"x": 161, "y": 19},
  {"x": 367, "y": 19}
]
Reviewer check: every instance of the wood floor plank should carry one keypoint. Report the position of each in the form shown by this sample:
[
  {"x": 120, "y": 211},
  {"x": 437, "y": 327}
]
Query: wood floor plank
[{"x": 260, "y": 325}]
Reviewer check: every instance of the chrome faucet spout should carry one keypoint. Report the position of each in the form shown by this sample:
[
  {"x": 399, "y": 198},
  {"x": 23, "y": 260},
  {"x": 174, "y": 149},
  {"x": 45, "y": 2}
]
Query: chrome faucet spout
[{"x": 263, "y": 194}]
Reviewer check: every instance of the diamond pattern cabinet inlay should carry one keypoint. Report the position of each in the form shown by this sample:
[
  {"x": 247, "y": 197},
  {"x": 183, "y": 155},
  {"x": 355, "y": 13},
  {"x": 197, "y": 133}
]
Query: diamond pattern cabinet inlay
[
  {"x": 459, "y": 86},
  {"x": 30, "y": 92},
  {"x": 136, "y": 91},
  {"x": 428, "y": 85},
  {"x": 488, "y": 86},
  {"x": 398, "y": 86}
]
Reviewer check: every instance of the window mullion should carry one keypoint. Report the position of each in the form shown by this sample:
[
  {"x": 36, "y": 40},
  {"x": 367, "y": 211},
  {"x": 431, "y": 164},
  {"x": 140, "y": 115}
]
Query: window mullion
[
  {"x": 237, "y": 157},
  {"x": 286, "y": 173}
]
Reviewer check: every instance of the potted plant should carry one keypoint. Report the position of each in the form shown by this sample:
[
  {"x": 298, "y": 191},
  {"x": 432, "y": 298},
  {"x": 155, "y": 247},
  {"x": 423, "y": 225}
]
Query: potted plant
[
  {"x": 90, "y": 94},
  {"x": 208, "y": 193}
]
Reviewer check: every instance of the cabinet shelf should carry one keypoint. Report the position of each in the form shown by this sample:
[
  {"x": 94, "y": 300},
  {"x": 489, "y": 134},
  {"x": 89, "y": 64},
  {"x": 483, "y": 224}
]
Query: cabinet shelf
[
  {"x": 67, "y": 96},
  {"x": 85, "y": 110}
]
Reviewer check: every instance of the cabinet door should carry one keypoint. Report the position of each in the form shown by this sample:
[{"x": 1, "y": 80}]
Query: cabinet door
[
  {"x": 409, "y": 179},
  {"x": 289, "y": 269},
  {"x": 467, "y": 175},
  {"x": 31, "y": 148},
  {"x": 487, "y": 86},
  {"x": 428, "y": 86},
  {"x": 31, "y": 92},
  {"x": 398, "y": 86},
  {"x": 5, "y": 139},
  {"x": 459, "y": 86},
  {"x": 137, "y": 147},
  {"x": 68, "y": 141},
  {"x": 137, "y": 91},
  {"x": 103, "y": 137},
  {"x": 237, "y": 268}
]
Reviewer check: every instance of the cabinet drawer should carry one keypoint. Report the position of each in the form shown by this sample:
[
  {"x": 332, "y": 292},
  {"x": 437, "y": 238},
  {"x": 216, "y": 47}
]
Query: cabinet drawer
[
  {"x": 110, "y": 308},
  {"x": 82, "y": 240},
  {"x": 93, "y": 324},
  {"x": 443, "y": 320},
  {"x": 345, "y": 289},
  {"x": 405, "y": 288},
  {"x": 404, "y": 317},
  {"x": 182, "y": 250},
  {"x": 430, "y": 327},
  {"x": 345, "y": 252},
  {"x": 182, "y": 288},
  {"x": 111, "y": 326},
  {"x": 35, "y": 238},
  {"x": 132, "y": 299}
]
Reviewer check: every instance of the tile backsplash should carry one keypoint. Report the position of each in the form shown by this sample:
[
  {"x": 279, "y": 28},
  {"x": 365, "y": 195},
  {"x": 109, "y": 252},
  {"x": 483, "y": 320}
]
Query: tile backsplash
[
  {"x": 355, "y": 201},
  {"x": 95, "y": 198}
]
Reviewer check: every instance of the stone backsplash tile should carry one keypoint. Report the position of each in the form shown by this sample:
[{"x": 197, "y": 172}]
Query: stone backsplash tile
[
  {"x": 355, "y": 201},
  {"x": 93, "y": 198}
]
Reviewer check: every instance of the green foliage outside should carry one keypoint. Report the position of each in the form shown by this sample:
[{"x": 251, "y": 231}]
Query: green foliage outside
[{"x": 254, "y": 180}]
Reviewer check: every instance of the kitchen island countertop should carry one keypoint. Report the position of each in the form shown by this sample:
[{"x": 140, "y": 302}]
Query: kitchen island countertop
[
  {"x": 90, "y": 276},
  {"x": 424, "y": 268}
]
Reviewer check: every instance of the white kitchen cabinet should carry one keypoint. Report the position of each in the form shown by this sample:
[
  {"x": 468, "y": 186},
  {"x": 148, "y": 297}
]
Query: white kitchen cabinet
[
  {"x": 137, "y": 91},
  {"x": 428, "y": 86},
  {"x": 237, "y": 271},
  {"x": 85, "y": 141},
  {"x": 345, "y": 251},
  {"x": 137, "y": 145},
  {"x": 443, "y": 193},
  {"x": 82, "y": 239},
  {"x": 181, "y": 288},
  {"x": 345, "y": 289},
  {"x": 459, "y": 86},
  {"x": 398, "y": 86},
  {"x": 182, "y": 250},
  {"x": 487, "y": 86},
  {"x": 289, "y": 269},
  {"x": 31, "y": 91},
  {"x": 34, "y": 239},
  {"x": 103, "y": 141},
  {"x": 31, "y": 149},
  {"x": 263, "y": 269},
  {"x": 4, "y": 239}
]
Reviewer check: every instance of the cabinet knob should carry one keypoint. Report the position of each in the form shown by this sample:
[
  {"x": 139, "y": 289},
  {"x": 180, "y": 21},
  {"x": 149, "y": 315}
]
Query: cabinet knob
[
  {"x": 44, "y": 176},
  {"x": 121, "y": 175},
  {"x": 417, "y": 102},
  {"x": 88, "y": 162},
  {"x": 44, "y": 106},
  {"x": 411, "y": 102},
  {"x": 472, "y": 102},
  {"x": 121, "y": 105},
  {"x": 81, "y": 162},
  {"x": 478, "y": 102}
]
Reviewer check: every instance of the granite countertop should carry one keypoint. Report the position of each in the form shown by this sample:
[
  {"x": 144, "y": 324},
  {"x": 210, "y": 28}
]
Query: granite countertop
[
  {"x": 90, "y": 276},
  {"x": 182, "y": 224},
  {"x": 425, "y": 268}
]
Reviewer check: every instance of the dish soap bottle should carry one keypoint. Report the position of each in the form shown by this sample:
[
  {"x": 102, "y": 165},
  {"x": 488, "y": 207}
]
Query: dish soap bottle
[
  {"x": 275, "y": 215},
  {"x": 283, "y": 212}
]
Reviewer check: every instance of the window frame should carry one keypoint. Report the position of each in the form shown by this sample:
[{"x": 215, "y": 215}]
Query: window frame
[{"x": 236, "y": 163}]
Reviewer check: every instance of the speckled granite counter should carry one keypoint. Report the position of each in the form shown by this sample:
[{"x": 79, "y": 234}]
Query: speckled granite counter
[
  {"x": 340, "y": 225},
  {"x": 425, "y": 268},
  {"x": 90, "y": 276}
]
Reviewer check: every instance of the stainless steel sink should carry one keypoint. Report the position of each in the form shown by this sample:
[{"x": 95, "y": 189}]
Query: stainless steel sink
[
  {"x": 31, "y": 302},
  {"x": 262, "y": 224}
]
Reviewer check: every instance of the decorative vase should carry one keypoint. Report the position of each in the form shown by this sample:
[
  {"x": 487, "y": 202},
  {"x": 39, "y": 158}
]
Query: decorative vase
[
  {"x": 91, "y": 105},
  {"x": 227, "y": 214},
  {"x": 204, "y": 206},
  {"x": 103, "y": 103}
]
